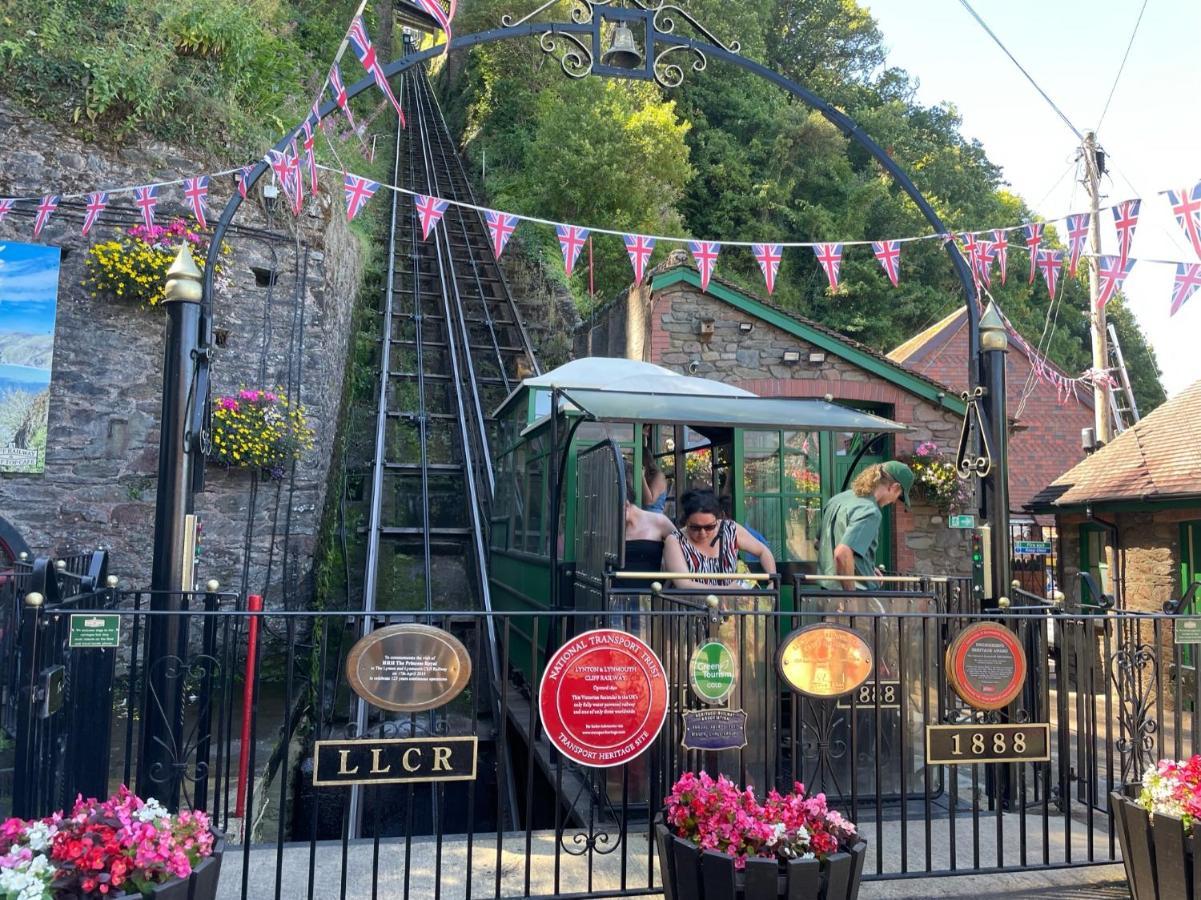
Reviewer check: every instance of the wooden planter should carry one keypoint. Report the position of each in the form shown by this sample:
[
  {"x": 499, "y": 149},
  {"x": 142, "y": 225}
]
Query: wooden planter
[
  {"x": 1162, "y": 861},
  {"x": 200, "y": 885},
  {"x": 691, "y": 874}
]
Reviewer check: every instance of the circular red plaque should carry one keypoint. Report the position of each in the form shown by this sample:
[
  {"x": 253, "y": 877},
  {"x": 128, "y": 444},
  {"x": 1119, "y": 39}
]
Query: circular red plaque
[
  {"x": 986, "y": 665},
  {"x": 603, "y": 698}
]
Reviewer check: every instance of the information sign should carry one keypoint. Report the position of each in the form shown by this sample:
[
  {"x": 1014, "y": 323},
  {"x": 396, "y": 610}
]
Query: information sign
[
  {"x": 714, "y": 729},
  {"x": 394, "y": 760},
  {"x": 94, "y": 630},
  {"x": 1188, "y": 630},
  {"x": 824, "y": 660},
  {"x": 603, "y": 698},
  {"x": 408, "y": 668},
  {"x": 961, "y": 521},
  {"x": 972, "y": 743},
  {"x": 986, "y": 665},
  {"x": 712, "y": 672},
  {"x": 1032, "y": 548}
]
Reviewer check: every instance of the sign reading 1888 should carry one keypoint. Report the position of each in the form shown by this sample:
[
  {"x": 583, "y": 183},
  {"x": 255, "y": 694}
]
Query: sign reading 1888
[{"x": 975, "y": 743}]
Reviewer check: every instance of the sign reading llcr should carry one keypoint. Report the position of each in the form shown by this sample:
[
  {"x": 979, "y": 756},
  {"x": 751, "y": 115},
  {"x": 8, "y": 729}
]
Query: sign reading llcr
[{"x": 394, "y": 761}]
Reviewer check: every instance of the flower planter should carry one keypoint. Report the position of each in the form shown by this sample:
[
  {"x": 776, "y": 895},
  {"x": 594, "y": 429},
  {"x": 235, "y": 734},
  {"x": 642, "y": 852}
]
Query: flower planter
[
  {"x": 692, "y": 874},
  {"x": 1162, "y": 862},
  {"x": 200, "y": 885}
]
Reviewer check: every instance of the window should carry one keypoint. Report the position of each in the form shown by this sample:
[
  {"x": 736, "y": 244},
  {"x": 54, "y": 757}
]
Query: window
[{"x": 781, "y": 481}]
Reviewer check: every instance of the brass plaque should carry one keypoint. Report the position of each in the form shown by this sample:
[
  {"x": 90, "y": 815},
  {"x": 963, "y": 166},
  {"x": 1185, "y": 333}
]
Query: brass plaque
[
  {"x": 824, "y": 660},
  {"x": 394, "y": 760},
  {"x": 408, "y": 668},
  {"x": 986, "y": 665},
  {"x": 954, "y": 745}
]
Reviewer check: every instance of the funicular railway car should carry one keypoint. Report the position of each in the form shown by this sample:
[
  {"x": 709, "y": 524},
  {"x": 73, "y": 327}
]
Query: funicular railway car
[{"x": 567, "y": 443}]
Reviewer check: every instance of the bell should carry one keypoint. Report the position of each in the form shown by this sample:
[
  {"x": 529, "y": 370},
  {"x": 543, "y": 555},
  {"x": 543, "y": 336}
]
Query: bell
[{"x": 623, "y": 53}]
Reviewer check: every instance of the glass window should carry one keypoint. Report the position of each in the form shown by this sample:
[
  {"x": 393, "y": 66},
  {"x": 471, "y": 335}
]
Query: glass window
[
  {"x": 761, "y": 462},
  {"x": 802, "y": 516},
  {"x": 535, "y": 501},
  {"x": 698, "y": 469},
  {"x": 591, "y": 433},
  {"x": 802, "y": 467},
  {"x": 763, "y": 516}
]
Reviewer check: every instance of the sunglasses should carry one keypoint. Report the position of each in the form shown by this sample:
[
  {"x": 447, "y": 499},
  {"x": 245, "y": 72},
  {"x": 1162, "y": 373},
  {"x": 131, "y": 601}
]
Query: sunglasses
[{"x": 705, "y": 529}]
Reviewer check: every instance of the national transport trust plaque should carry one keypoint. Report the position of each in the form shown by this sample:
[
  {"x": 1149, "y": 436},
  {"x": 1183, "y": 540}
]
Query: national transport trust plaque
[
  {"x": 603, "y": 698},
  {"x": 408, "y": 668},
  {"x": 824, "y": 660},
  {"x": 986, "y": 665}
]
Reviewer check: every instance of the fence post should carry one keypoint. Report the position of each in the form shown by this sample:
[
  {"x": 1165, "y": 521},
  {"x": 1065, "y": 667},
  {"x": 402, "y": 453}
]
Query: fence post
[
  {"x": 254, "y": 603},
  {"x": 25, "y": 777}
]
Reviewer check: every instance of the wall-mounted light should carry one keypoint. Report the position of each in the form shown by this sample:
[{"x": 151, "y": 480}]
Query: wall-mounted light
[
  {"x": 746, "y": 327},
  {"x": 791, "y": 357},
  {"x": 817, "y": 356}
]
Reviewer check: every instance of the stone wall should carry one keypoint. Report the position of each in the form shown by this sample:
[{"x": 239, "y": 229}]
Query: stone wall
[{"x": 98, "y": 489}]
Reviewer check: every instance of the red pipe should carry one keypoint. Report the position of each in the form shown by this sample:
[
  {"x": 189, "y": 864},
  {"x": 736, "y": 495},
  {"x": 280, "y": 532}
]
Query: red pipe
[{"x": 254, "y": 603}]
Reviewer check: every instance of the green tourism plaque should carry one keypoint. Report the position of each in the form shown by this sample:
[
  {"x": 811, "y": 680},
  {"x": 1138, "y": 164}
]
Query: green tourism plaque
[
  {"x": 92, "y": 630},
  {"x": 711, "y": 672}
]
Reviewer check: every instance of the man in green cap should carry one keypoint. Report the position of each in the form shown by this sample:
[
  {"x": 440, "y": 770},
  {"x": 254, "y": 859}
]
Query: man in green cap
[{"x": 851, "y": 524}]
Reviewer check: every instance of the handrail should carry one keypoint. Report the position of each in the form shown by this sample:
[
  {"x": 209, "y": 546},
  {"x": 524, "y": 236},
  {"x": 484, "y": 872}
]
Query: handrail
[{"x": 1174, "y": 607}]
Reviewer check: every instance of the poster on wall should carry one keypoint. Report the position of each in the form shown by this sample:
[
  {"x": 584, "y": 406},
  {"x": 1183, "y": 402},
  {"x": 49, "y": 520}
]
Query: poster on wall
[{"x": 28, "y": 297}]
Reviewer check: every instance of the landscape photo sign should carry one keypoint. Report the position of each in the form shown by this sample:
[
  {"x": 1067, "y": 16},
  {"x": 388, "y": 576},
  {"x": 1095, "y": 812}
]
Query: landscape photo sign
[
  {"x": 28, "y": 300},
  {"x": 603, "y": 698},
  {"x": 408, "y": 667},
  {"x": 824, "y": 660},
  {"x": 986, "y": 665},
  {"x": 394, "y": 760}
]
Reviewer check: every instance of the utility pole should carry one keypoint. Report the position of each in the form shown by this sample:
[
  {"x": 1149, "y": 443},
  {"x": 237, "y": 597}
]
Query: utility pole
[{"x": 1093, "y": 168}]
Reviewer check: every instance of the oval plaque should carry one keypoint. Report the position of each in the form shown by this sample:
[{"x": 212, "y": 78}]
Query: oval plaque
[
  {"x": 986, "y": 665},
  {"x": 711, "y": 672},
  {"x": 408, "y": 668},
  {"x": 603, "y": 698},
  {"x": 824, "y": 660}
]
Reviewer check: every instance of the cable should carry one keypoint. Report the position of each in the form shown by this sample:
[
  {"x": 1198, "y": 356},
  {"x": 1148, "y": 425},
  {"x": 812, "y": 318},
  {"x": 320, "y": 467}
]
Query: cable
[
  {"x": 1122, "y": 67},
  {"x": 1021, "y": 68}
]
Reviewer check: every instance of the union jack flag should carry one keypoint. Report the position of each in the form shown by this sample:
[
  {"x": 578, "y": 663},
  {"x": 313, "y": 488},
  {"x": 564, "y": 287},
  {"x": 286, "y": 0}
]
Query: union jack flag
[
  {"x": 1077, "y": 233},
  {"x": 1034, "y": 237},
  {"x": 971, "y": 247},
  {"x": 96, "y": 204},
  {"x": 310, "y": 155},
  {"x": 986, "y": 252},
  {"x": 6, "y": 206},
  {"x": 705, "y": 254},
  {"x": 146, "y": 199},
  {"x": 830, "y": 257},
  {"x": 1051, "y": 262},
  {"x": 196, "y": 190},
  {"x": 501, "y": 225},
  {"x": 45, "y": 210},
  {"x": 441, "y": 16},
  {"x": 295, "y": 182},
  {"x": 1186, "y": 206},
  {"x": 1125, "y": 218},
  {"x": 431, "y": 210},
  {"x": 361, "y": 44},
  {"x": 889, "y": 255},
  {"x": 1001, "y": 246},
  {"x": 768, "y": 256},
  {"x": 572, "y": 239},
  {"x": 639, "y": 247},
  {"x": 358, "y": 192},
  {"x": 282, "y": 168},
  {"x": 339, "y": 90},
  {"x": 1188, "y": 280},
  {"x": 244, "y": 179},
  {"x": 1113, "y": 271}
]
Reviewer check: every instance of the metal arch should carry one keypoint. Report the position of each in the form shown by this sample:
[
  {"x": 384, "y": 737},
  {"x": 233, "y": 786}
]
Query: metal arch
[{"x": 835, "y": 116}]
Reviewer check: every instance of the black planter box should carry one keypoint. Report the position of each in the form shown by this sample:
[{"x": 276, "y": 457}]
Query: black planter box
[
  {"x": 1161, "y": 860},
  {"x": 200, "y": 885}
]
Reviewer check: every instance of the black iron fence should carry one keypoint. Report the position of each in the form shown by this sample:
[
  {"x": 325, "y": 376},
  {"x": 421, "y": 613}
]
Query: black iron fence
[{"x": 1105, "y": 695}]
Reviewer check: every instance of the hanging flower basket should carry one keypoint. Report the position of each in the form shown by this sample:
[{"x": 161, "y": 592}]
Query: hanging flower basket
[
  {"x": 132, "y": 267},
  {"x": 262, "y": 430},
  {"x": 1155, "y": 824},
  {"x": 123, "y": 848},
  {"x": 717, "y": 842},
  {"x": 937, "y": 480}
]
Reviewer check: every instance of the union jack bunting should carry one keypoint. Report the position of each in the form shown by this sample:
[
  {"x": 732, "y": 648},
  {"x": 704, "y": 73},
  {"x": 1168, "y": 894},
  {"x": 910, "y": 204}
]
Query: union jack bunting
[
  {"x": 441, "y": 16},
  {"x": 639, "y": 247},
  {"x": 96, "y": 203},
  {"x": 1188, "y": 280},
  {"x": 1077, "y": 233},
  {"x": 358, "y": 192},
  {"x": 705, "y": 254},
  {"x": 6, "y": 206},
  {"x": 46, "y": 209},
  {"x": 1125, "y": 218},
  {"x": 1113, "y": 271},
  {"x": 196, "y": 190},
  {"x": 244, "y": 179},
  {"x": 971, "y": 247},
  {"x": 572, "y": 239},
  {"x": 889, "y": 255},
  {"x": 986, "y": 252},
  {"x": 361, "y": 44},
  {"x": 1000, "y": 245},
  {"x": 339, "y": 91},
  {"x": 1051, "y": 262},
  {"x": 310, "y": 156},
  {"x": 431, "y": 210},
  {"x": 1034, "y": 237},
  {"x": 280, "y": 166},
  {"x": 1186, "y": 207},
  {"x": 295, "y": 182},
  {"x": 146, "y": 199},
  {"x": 768, "y": 256},
  {"x": 830, "y": 257},
  {"x": 501, "y": 225}
]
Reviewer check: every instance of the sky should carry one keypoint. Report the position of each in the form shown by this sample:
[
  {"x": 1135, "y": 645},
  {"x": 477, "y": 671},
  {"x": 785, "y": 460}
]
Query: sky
[
  {"x": 1073, "y": 48},
  {"x": 28, "y": 287}
]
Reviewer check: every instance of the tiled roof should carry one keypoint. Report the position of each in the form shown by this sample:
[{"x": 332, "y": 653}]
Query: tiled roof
[{"x": 1159, "y": 458}]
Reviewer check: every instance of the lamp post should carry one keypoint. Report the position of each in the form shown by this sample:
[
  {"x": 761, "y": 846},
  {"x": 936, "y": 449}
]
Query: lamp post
[
  {"x": 167, "y": 635},
  {"x": 994, "y": 345}
]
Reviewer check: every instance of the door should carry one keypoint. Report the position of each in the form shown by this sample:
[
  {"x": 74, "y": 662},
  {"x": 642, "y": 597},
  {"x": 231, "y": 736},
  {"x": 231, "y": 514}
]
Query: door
[{"x": 1190, "y": 557}]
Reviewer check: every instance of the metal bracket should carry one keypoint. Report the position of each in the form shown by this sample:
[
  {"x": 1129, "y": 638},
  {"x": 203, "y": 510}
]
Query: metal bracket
[{"x": 967, "y": 462}]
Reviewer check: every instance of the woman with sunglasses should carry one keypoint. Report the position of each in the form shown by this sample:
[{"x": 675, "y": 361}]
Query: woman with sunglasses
[{"x": 708, "y": 542}]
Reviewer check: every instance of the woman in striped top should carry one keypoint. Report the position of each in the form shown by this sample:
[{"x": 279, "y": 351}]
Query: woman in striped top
[{"x": 709, "y": 543}]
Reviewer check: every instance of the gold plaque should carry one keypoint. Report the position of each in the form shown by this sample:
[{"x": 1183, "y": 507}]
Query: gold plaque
[
  {"x": 408, "y": 668},
  {"x": 824, "y": 660}
]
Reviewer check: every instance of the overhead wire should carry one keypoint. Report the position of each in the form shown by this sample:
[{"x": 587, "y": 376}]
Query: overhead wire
[{"x": 1122, "y": 67}]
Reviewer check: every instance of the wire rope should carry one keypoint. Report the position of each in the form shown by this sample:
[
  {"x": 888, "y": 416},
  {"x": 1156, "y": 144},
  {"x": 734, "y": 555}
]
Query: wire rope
[{"x": 1122, "y": 67}]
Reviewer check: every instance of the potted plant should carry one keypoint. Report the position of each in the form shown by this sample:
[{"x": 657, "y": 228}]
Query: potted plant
[
  {"x": 132, "y": 267},
  {"x": 1154, "y": 820},
  {"x": 937, "y": 479},
  {"x": 255, "y": 429},
  {"x": 716, "y": 841},
  {"x": 121, "y": 848}
]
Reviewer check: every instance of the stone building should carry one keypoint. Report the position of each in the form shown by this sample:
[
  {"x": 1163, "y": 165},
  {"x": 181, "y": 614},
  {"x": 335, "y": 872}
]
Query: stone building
[
  {"x": 1130, "y": 514},
  {"x": 283, "y": 318},
  {"x": 728, "y": 334}
]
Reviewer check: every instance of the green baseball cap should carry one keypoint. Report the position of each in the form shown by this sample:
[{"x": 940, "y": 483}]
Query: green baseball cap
[{"x": 902, "y": 475}]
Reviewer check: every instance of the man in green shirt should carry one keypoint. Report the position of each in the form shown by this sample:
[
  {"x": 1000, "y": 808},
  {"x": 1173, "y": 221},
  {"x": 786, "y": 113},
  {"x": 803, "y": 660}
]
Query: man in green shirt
[{"x": 851, "y": 520}]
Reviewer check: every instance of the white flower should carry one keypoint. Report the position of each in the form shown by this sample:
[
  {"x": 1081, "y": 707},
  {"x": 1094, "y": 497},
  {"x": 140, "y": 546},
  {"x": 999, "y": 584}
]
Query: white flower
[
  {"x": 39, "y": 834},
  {"x": 151, "y": 811}
]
